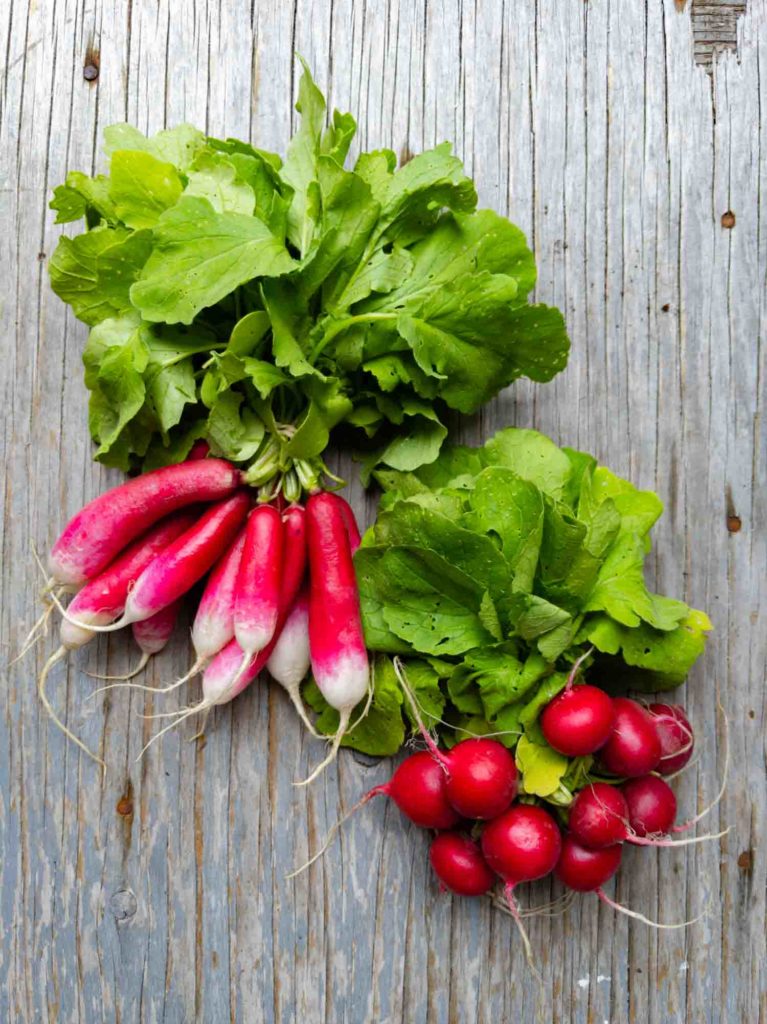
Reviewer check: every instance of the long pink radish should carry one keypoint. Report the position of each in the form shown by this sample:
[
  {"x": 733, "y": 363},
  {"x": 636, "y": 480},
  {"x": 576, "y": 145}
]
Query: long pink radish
[
  {"x": 337, "y": 644},
  {"x": 99, "y": 531},
  {"x": 290, "y": 660},
  {"x": 349, "y": 519},
  {"x": 257, "y": 594},
  {"x": 171, "y": 574},
  {"x": 151, "y": 636},
  {"x": 103, "y": 599},
  {"x": 225, "y": 678}
]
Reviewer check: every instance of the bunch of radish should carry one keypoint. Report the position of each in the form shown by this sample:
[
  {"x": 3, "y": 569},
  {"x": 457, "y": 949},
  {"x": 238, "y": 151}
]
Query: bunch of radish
[
  {"x": 280, "y": 589},
  {"x": 488, "y": 831}
]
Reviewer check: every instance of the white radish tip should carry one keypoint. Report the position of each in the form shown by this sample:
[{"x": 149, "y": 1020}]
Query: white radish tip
[{"x": 340, "y": 731}]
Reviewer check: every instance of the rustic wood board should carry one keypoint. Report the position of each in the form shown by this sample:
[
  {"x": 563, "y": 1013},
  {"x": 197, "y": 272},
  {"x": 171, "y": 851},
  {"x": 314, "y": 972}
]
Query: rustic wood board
[{"x": 592, "y": 126}]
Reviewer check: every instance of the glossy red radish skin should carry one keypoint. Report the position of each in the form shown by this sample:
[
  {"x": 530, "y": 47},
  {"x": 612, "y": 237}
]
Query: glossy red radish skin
[
  {"x": 633, "y": 748},
  {"x": 522, "y": 844},
  {"x": 152, "y": 634},
  {"x": 419, "y": 791},
  {"x": 350, "y": 520},
  {"x": 598, "y": 816},
  {"x": 578, "y": 721},
  {"x": 481, "y": 778},
  {"x": 199, "y": 450},
  {"x": 339, "y": 656},
  {"x": 103, "y": 599},
  {"x": 257, "y": 594},
  {"x": 651, "y": 806},
  {"x": 459, "y": 865},
  {"x": 585, "y": 870},
  {"x": 676, "y": 737},
  {"x": 106, "y": 525}
]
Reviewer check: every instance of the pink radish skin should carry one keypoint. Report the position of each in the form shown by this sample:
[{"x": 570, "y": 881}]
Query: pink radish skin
[
  {"x": 213, "y": 625},
  {"x": 223, "y": 680},
  {"x": 352, "y": 529},
  {"x": 633, "y": 748},
  {"x": 677, "y": 740},
  {"x": 651, "y": 806},
  {"x": 151, "y": 636},
  {"x": 598, "y": 816},
  {"x": 339, "y": 657},
  {"x": 102, "y": 599},
  {"x": 578, "y": 721},
  {"x": 99, "y": 531},
  {"x": 257, "y": 594},
  {"x": 459, "y": 865},
  {"x": 199, "y": 450}
]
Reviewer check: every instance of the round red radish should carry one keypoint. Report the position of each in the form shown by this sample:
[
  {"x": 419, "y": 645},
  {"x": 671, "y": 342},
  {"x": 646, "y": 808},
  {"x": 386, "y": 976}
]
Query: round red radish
[
  {"x": 651, "y": 805},
  {"x": 584, "y": 870},
  {"x": 522, "y": 844},
  {"x": 418, "y": 789},
  {"x": 598, "y": 816},
  {"x": 481, "y": 778},
  {"x": 578, "y": 721},
  {"x": 675, "y": 734},
  {"x": 459, "y": 865},
  {"x": 633, "y": 748}
]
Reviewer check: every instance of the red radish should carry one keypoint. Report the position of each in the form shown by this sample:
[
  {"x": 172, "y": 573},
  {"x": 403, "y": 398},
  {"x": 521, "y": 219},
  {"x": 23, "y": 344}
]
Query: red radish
[
  {"x": 99, "y": 531},
  {"x": 103, "y": 598},
  {"x": 522, "y": 844},
  {"x": 633, "y": 748},
  {"x": 339, "y": 657},
  {"x": 418, "y": 789},
  {"x": 598, "y": 816},
  {"x": 199, "y": 450},
  {"x": 676, "y": 737},
  {"x": 351, "y": 523},
  {"x": 651, "y": 806},
  {"x": 578, "y": 721},
  {"x": 459, "y": 865},
  {"x": 213, "y": 625},
  {"x": 151, "y": 636},
  {"x": 481, "y": 772},
  {"x": 173, "y": 572},
  {"x": 257, "y": 594},
  {"x": 586, "y": 870},
  {"x": 290, "y": 661}
]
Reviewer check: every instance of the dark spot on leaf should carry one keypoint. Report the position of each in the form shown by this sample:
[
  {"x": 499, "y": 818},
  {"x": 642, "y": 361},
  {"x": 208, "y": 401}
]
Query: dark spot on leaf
[{"x": 728, "y": 219}]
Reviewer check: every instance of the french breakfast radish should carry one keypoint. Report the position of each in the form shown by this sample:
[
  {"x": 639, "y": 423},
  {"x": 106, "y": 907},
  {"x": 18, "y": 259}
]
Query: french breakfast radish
[
  {"x": 173, "y": 572},
  {"x": 100, "y": 530},
  {"x": 151, "y": 636},
  {"x": 337, "y": 644},
  {"x": 459, "y": 865},
  {"x": 103, "y": 598},
  {"x": 675, "y": 735},
  {"x": 347, "y": 512},
  {"x": 257, "y": 593},
  {"x": 578, "y": 721},
  {"x": 633, "y": 747},
  {"x": 289, "y": 661}
]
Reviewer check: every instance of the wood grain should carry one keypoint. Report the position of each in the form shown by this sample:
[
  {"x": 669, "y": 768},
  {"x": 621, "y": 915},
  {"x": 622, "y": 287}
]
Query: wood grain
[{"x": 159, "y": 894}]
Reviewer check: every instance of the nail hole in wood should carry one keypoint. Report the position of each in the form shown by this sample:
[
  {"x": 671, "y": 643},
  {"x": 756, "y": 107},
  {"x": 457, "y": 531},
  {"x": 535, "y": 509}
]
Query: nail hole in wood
[{"x": 728, "y": 219}]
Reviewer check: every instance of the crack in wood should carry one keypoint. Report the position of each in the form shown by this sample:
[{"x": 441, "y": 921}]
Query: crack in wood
[{"x": 714, "y": 27}]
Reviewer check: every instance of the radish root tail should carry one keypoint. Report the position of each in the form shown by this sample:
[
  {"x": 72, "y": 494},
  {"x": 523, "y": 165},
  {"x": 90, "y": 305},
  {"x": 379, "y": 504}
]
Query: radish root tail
[
  {"x": 722, "y": 788},
  {"x": 508, "y": 891},
  {"x": 334, "y": 830},
  {"x": 333, "y": 752},
  {"x": 57, "y": 655},
  {"x": 640, "y": 917},
  {"x": 294, "y": 692},
  {"x": 127, "y": 675},
  {"x": 198, "y": 666},
  {"x": 36, "y": 633},
  {"x": 434, "y": 750}
]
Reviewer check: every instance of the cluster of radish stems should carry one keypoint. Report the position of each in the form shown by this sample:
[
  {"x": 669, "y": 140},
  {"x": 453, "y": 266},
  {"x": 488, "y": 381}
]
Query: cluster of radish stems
[{"x": 281, "y": 593}]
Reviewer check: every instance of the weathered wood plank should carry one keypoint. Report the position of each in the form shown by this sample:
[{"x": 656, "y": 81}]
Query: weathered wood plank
[{"x": 591, "y": 125}]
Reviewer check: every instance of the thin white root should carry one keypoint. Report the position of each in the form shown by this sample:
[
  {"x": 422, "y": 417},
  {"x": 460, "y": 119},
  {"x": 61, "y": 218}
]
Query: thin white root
[
  {"x": 722, "y": 788},
  {"x": 182, "y": 717},
  {"x": 340, "y": 731},
  {"x": 399, "y": 671},
  {"x": 120, "y": 623},
  {"x": 197, "y": 667},
  {"x": 294, "y": 692},
  {"x": 55, "y": 657},
  {"x": 665, "y": 841},
  {"x": 127, "y": 675},
  {"x": 640, "y": 917},
  {"x": 201, "y": 731},
  {"x": 36, "y": 633},
  {"x": 514, "y": 910},
  {"x": 364, "y": 713},
  {"x": 334, "y": 829}
]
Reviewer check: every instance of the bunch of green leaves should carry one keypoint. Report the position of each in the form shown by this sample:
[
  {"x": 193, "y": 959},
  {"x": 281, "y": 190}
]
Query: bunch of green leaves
[
  {"x": 258, "y": 302},
  {"x": 490, "y": 572}
]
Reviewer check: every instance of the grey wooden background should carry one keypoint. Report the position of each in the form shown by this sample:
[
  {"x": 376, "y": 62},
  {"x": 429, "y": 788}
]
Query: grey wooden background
[{"x": 159, "y": 894}]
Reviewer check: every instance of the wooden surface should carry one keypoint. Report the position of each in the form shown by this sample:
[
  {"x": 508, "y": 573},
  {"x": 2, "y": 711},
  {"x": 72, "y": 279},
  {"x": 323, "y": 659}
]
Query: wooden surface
[{"x": 160, "y": 894}]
